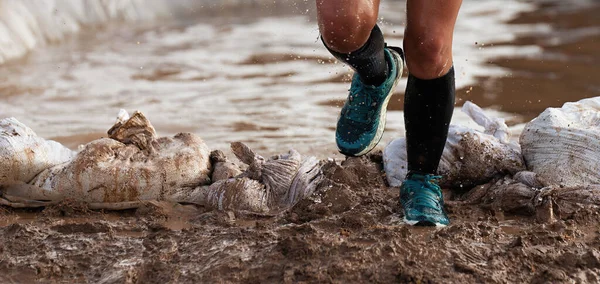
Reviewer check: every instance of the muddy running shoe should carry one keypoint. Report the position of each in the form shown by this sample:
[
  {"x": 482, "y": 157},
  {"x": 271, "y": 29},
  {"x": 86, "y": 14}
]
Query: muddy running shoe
[
  {"x": 421, "y": 198},
  {"x": 362, "y": 119}
]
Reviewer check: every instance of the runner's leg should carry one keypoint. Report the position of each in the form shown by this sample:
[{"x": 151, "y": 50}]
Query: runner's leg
[
  {"x": 429, "y": 98},
  {"x": 349, "y": 31}
]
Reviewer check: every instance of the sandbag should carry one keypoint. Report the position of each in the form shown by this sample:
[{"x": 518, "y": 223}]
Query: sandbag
[
  {"x": 470, "y": 157},
  {"x": 562, "y": 145},
  {"x": 133, "y": 166},
  {"x": 268, "y": 186},
  {"x": 23, "y": 154}
]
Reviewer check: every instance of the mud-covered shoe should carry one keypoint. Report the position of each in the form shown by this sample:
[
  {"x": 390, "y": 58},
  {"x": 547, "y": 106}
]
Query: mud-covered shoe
[
  {"x": 422, "y": 201},
  {"x": 362, "y": 119}
]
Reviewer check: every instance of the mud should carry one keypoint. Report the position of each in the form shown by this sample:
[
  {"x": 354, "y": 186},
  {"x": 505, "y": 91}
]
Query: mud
[{"x": 350, "y": 230}]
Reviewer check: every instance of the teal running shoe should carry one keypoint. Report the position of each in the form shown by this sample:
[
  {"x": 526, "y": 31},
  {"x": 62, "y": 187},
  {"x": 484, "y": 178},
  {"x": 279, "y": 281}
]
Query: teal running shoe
[
  {"x": 362, "y": 119},
  {"x": 421, "y": 198}
]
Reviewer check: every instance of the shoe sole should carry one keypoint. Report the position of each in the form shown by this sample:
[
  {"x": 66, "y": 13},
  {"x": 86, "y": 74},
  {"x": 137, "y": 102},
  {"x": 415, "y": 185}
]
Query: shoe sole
[
  {"x": 423, "y": 223},
  {"x": 383, "y": 114}
]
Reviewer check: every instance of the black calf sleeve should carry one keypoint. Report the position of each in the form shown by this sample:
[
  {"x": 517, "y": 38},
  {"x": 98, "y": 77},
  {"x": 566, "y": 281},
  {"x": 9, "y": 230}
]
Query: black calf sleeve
[
  {"x": 369, "y": 60},
  {"x": 428, "y": 107}
]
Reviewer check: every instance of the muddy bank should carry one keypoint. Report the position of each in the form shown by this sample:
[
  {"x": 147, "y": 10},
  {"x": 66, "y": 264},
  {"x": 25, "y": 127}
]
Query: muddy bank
[{"x": 348, "y": 231}]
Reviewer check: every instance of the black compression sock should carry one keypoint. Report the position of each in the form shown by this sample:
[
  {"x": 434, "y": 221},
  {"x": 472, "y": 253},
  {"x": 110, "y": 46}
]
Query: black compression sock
[
  {"x": 369, "y": 60},
  {"x": 428, "y": 107}
]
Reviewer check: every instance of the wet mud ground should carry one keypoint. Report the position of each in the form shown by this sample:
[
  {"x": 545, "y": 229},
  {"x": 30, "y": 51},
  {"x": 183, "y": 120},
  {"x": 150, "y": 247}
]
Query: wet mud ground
[{"x": 349, "y": 231}]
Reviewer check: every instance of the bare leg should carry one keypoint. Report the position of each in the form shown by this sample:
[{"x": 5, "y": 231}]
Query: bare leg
[
  {"x": 345, "y": 25},
  {"x": 428, "y": 105},
  {"x": 428, "y": 36},
  {"x": 429, "y": 97},
  {"x": 349, "y": 31}
]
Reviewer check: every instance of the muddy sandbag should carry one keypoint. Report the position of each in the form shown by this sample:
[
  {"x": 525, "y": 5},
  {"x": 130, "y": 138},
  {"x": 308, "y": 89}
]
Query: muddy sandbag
[
  {"x": 470, "y": 157},
  {"x": 267, "y": 186},
  {"x": 23, "y": 154},
  {"x": 562, "y": 145},
  {"x": 516, "y": 195},
  {"x": 222, "y": 168},
  {"x": 132, "y": 165}
]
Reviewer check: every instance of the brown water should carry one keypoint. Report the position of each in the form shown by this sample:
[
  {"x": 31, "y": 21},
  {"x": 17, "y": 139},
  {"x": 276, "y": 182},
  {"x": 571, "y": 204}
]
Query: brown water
[
  {"x": 566, "y": 69},
  {"x": 260, "y": 75}
]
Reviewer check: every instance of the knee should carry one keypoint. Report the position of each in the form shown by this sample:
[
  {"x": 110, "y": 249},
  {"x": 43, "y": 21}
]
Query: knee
[
  {"x": 345, "y": 29},
  {"x": 428, "y": 56}
]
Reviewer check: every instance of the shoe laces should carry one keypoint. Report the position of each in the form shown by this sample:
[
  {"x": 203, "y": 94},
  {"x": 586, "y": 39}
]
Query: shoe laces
[
  {"x": 424, "y": 191},
  {"x": 360, "y": 105}
]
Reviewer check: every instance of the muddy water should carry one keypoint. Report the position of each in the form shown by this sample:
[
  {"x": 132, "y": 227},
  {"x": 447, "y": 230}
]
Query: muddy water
[
  {"x": 566, "y": 68},
  {"x": 261, "y": 75}
]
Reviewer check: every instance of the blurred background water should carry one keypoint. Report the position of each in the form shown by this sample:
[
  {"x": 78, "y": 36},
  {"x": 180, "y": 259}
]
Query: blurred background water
[{"x": 256, "y": 72}]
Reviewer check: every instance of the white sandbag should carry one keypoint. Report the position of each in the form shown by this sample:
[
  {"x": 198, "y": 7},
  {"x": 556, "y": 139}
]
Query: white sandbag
[
  {"x": 132, "y": 165},
  {"x": 562, "y": 145},
  {"x": 470, "y": 157},
  {"x": 23, "y": 154},
  {"x": 267, "y": 186}
]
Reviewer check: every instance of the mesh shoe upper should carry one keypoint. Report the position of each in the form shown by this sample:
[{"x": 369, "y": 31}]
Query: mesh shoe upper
[
  {"x": 362, "y": 118},
  {"x": 422, "y": 201}
]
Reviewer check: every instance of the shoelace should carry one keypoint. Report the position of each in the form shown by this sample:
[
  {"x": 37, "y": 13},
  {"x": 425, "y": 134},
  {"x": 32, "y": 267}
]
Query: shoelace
[
  {"x": 360, "y": 106},
  {"x": 426, "y": 192}
]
